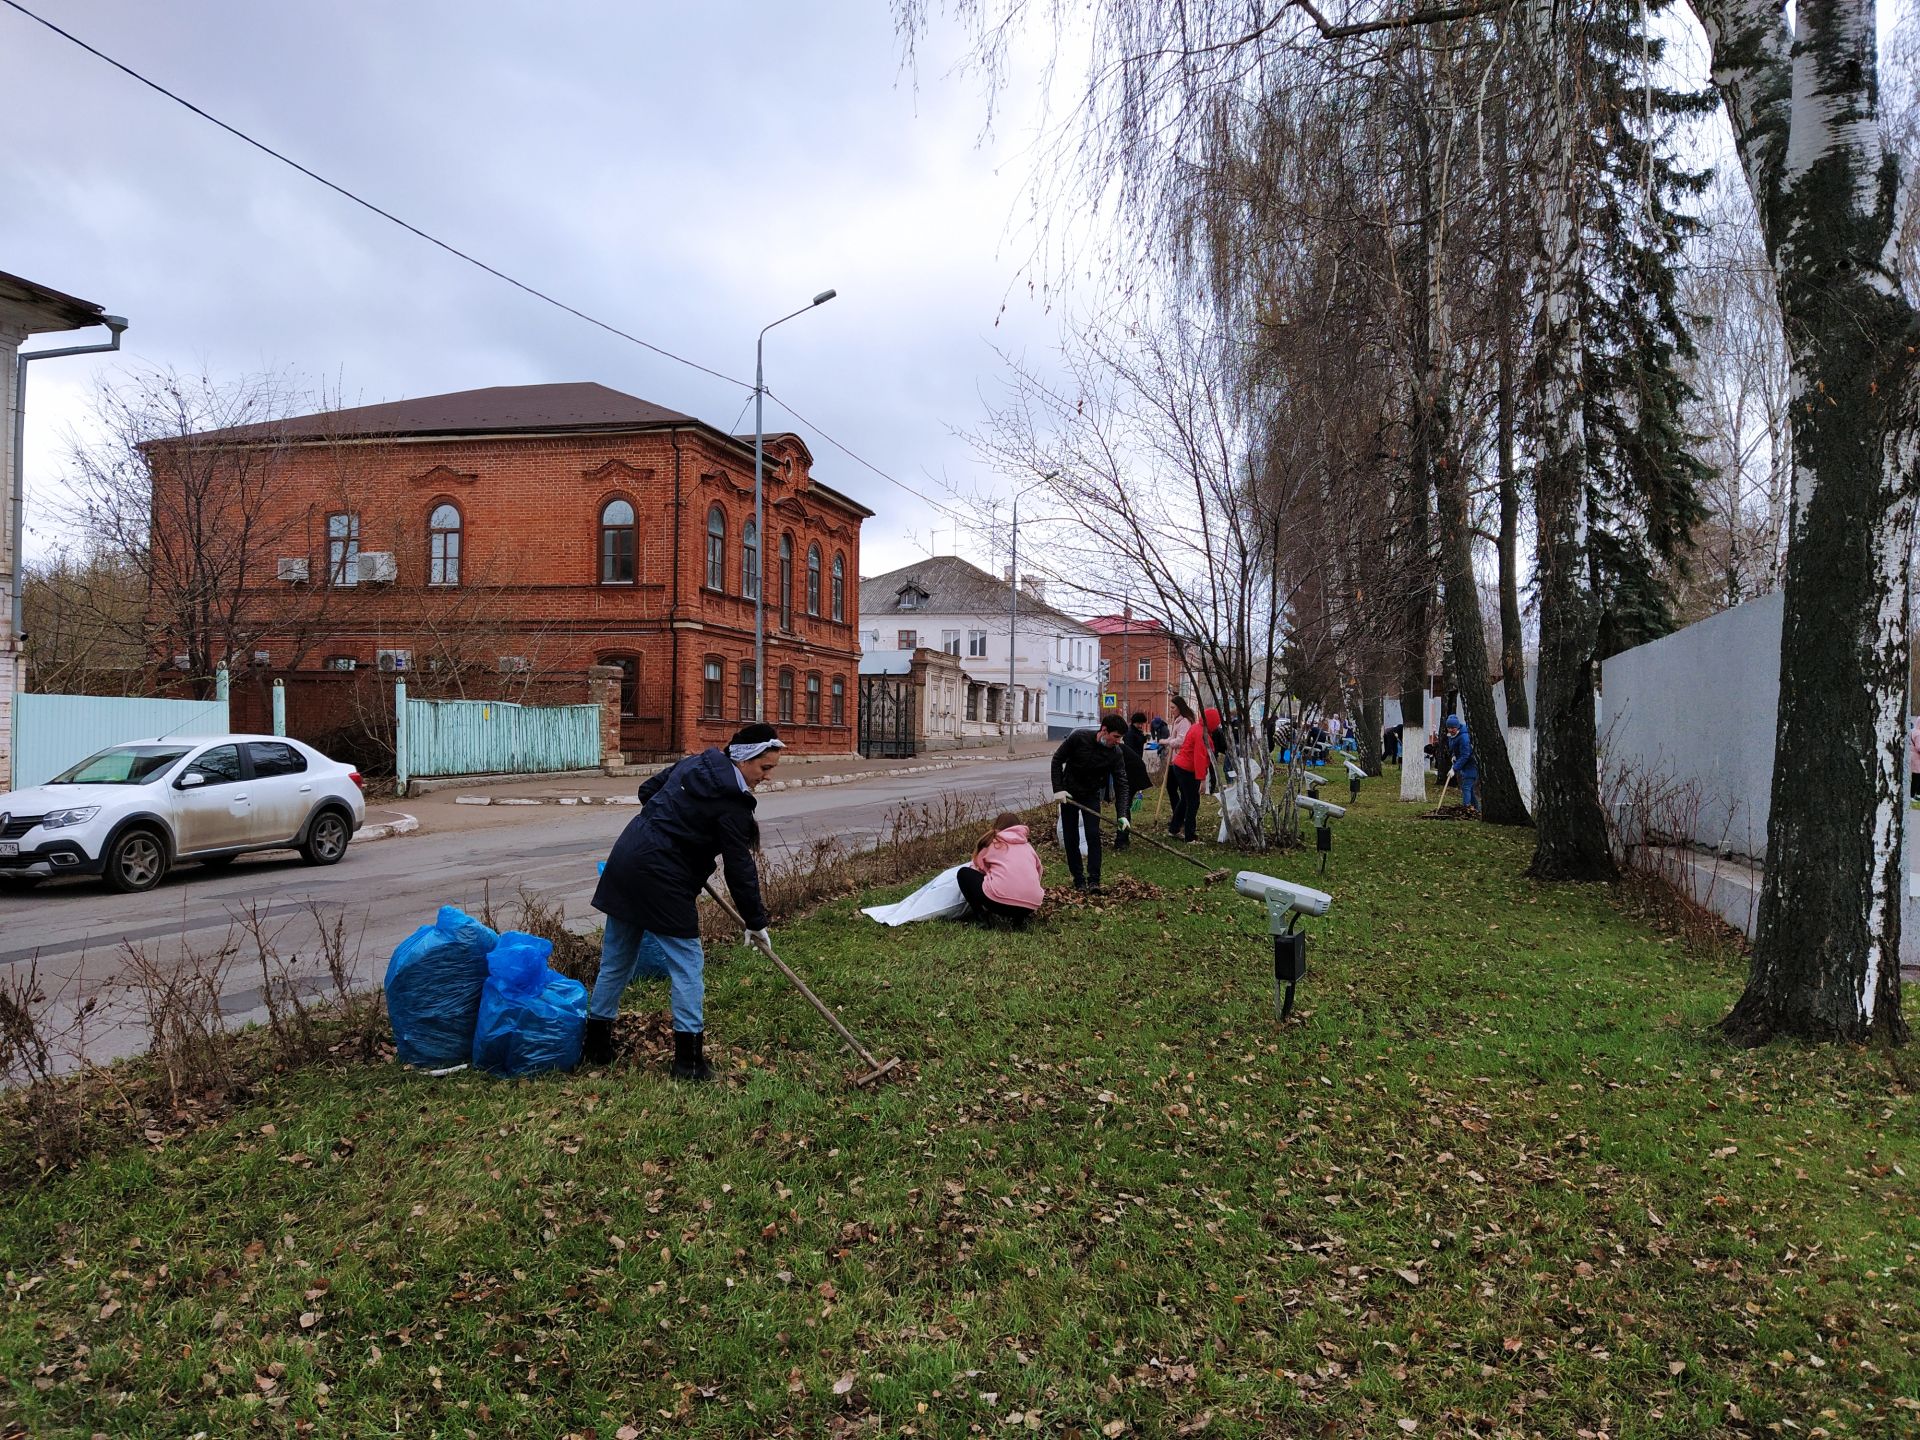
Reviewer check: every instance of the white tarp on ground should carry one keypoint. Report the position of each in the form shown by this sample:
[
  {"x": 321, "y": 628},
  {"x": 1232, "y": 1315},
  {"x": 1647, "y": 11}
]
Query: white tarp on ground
[{"x": 938, "y": 899}]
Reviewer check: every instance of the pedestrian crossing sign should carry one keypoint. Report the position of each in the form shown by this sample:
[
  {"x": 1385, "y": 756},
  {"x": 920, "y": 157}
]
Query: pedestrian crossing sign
[{"x": 1110, "y": 701}]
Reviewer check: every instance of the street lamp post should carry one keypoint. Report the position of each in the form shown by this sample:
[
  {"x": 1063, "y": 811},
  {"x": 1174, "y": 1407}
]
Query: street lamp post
[
  {"x": 759, "y": 522},
  {"x": 1013, "y": 598}
]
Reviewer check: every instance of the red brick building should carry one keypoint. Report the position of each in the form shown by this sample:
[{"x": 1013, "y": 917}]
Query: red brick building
[
  {"x": 498, "y": 542},
  {"x": 1145, "y": 664}
]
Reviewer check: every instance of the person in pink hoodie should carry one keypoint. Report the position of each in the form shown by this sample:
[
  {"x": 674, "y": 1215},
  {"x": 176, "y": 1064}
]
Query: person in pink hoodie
[
  {"x": 1913, "y": 761},
  {"x": 1003, "y": 881}
]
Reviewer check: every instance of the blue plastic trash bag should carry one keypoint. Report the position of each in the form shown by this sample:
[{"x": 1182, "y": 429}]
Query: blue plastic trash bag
[
  {"x": 531, "y": 1018},
  {"x": 433, "y": 989}
]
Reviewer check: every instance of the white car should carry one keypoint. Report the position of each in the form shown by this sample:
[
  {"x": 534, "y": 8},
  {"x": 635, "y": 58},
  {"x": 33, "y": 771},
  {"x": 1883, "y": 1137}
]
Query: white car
[{"x": 131, "y": 811}]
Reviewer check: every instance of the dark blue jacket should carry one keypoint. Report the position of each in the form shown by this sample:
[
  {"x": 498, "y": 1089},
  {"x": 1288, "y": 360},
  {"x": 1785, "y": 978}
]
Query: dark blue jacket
[
  {"x": 1460, "y": 749},
  {"x": 691, "y": 814}
]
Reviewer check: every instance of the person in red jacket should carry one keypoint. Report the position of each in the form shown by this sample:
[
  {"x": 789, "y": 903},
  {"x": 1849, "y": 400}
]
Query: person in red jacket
[
  {"x": 1190, "y": 763},
  {"x": 1003, "y": 882}
]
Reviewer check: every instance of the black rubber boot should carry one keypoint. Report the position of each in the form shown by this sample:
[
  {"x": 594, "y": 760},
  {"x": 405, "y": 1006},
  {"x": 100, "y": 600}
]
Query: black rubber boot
[
  {"x": 689, "y": 1059},
  {"x": 597, "y": 1046}
]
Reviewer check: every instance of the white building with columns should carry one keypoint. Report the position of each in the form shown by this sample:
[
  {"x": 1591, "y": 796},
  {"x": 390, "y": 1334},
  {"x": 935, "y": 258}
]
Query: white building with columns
[{"x": 944, "y": 603}]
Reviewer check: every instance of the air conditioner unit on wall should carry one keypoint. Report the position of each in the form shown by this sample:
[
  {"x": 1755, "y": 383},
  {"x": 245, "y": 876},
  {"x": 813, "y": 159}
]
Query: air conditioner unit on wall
[
  {"x": 376, "y": 567},
  {"x": 291, "y": 568},
  {"x": 392, "y": 660}
]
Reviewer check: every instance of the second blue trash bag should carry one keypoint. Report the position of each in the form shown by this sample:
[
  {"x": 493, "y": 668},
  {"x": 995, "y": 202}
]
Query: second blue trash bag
[
  {"x": 531, "y": 1018},
  {"x": 433, "y": 989}
]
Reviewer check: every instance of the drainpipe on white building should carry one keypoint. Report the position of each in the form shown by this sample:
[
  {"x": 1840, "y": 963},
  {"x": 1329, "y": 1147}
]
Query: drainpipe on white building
[{"x": 116, "y": 324}]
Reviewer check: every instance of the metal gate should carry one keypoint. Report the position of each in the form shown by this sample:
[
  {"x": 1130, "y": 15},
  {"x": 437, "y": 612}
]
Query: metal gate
[{"x": 886, "y": 717}]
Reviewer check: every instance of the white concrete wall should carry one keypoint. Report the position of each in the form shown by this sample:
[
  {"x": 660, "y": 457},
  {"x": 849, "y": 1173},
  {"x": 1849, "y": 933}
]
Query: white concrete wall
[{"x": 1700, "y": 706}]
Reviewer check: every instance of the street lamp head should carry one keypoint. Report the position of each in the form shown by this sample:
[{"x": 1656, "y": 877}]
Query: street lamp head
[{"x": 824, "y": 296}]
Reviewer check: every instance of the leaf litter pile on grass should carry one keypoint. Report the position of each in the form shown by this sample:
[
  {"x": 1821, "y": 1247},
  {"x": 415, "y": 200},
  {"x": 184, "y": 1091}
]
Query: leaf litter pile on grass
[{"x": 1495, "y": 1178}]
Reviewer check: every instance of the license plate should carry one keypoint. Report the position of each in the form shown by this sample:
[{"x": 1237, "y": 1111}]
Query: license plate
[{"x": 9, "y": 847}]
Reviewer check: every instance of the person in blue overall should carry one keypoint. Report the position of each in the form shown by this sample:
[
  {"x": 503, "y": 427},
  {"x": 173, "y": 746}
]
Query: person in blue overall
[
  {"x": 699, "y": 810},
  {"x": 1460, "y": 756}
]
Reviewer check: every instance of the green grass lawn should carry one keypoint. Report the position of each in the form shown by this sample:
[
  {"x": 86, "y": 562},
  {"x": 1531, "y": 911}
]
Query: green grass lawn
[{"x": 1495, "y": 1177}]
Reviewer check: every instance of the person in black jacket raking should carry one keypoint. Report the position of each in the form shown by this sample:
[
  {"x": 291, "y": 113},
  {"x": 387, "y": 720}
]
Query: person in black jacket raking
[
  {"x": 650, "y": 889},
  {"x": 1084, "y": 765}
]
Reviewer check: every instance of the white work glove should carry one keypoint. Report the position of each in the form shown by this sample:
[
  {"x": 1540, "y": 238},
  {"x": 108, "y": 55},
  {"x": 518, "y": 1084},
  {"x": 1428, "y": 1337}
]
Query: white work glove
[
  {"x": 1124, "y": 823},
  {"x": 760, "y": 940},
  {"x": 1061, "y": 797}
]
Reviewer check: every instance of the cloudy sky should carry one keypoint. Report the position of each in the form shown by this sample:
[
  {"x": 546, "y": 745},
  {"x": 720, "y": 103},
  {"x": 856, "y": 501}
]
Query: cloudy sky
[{"x": 686, "y": 172}]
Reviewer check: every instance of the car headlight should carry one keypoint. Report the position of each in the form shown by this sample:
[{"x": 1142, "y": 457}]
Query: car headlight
[{"x": 61, "y": 819}]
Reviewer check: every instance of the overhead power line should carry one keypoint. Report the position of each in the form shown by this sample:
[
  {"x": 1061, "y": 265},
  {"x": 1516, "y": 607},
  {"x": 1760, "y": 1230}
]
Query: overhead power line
[
  {"x": 365, "y": 204},
  {"x": 856, "y": 457}
]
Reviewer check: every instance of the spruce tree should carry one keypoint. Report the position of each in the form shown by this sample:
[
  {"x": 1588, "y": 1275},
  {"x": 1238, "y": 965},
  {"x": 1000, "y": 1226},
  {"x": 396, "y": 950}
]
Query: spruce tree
[{"x": 1644, "y": 474}]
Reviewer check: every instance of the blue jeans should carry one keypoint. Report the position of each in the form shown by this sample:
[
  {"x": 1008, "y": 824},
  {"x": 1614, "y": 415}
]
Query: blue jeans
[
  {"x": 626, "y": 950},
  {"x": 1469, "y": 789}
]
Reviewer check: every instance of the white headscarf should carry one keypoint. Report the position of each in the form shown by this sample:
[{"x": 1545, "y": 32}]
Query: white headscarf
[{"x": 740, "y": 754}]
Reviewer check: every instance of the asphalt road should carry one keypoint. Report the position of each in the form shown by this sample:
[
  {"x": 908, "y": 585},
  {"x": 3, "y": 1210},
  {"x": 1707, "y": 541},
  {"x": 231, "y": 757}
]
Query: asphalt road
[{"x": 77, "y": 937}]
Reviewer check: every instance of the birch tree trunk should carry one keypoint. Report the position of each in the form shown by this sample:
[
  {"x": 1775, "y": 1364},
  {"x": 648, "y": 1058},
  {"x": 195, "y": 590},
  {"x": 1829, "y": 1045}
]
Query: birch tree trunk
[
  {"x": 1803, "y": 99},
  {"x": 1571, "y": 834}
]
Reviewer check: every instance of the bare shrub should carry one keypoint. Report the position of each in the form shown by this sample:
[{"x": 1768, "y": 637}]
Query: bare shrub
[
  {"x": 288, "y": 1019},
  {"x": 43, "y": 1119},
  {"x": 1653, "y": 827},
  {"x": 180, "y": 1003},
  {"x": 358, "y": 1012}
]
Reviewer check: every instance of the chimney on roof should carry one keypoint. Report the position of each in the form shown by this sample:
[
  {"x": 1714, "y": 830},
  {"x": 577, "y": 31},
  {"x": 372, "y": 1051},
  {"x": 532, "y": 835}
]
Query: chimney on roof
[{"x": 1035, "y": 587}]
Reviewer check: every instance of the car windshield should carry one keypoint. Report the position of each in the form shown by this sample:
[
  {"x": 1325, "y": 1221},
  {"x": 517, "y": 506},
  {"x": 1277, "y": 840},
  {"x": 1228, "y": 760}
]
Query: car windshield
[{"x": 122, "y": 765}]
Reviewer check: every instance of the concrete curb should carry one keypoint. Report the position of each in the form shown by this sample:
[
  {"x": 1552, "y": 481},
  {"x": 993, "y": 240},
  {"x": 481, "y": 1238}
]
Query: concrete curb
[
  {"x": 405, "y": 825},
  {"x": 769, "y": 788}
]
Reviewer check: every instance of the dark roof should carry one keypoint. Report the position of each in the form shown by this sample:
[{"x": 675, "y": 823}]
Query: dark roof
[
  {"x": 47, "y": 308},
  {"x": 498, "y": 408},
  {"x": 580, "y": 407},
  {"x": 952, "y": 587}
]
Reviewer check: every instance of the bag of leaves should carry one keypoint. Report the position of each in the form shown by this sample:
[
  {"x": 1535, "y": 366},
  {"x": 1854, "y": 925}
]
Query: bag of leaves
[
  {"x": 531, "y": 1017},
  {"x": 433, "y": 989}
]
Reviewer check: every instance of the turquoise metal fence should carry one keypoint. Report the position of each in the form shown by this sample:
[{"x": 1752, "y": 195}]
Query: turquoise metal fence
[
  {"x": 488, "y": 737},
  {"x": 53, "y": 732}
]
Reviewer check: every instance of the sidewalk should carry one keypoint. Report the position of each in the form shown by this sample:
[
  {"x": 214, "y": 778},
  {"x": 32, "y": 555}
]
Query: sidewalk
[{"x": 484, "y": 802}]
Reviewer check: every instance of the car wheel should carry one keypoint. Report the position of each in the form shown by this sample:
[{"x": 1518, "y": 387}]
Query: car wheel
[
  {"x": 137, "y": 861},
  {"x": 326, "y": 838}
]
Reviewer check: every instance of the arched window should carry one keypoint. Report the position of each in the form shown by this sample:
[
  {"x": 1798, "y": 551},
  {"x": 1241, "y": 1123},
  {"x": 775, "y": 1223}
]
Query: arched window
[
  {"x": 839, "y": 700},
  {"x": 813, "y": 699},
  {"x": 786, "y": 581},
  {"x": 443, "y": 545},
  {"x": 839, "y": 587},
  {"x": 747, "y": 696},
  {"x": 712, "y": 689},
  {"x": 813, "y": 580},
  {"x": 786, "y": 697},
  {"x": 749, "y": 559},
  {"x": 716, "y": 549},
  {"x": 616, "y": 543}
]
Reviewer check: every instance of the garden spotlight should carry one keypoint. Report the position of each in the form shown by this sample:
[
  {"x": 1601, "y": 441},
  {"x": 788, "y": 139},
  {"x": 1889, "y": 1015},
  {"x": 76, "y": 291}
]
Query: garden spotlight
[{"x": 1286, "y": 902}]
